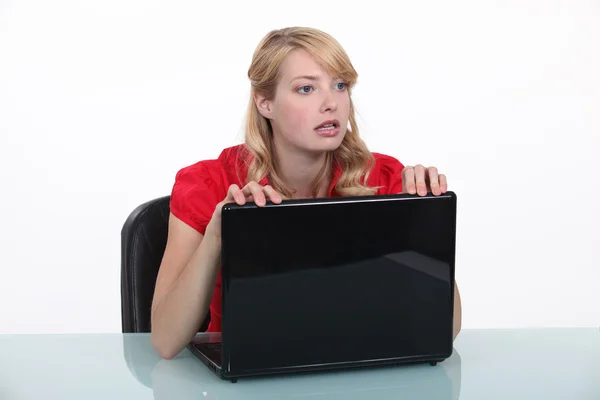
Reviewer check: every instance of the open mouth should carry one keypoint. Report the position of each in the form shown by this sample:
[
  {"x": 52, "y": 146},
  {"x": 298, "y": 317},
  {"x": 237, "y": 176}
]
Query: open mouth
[
  {"x": 328, "y": 125},
  {"x": 329, "y": 128}
]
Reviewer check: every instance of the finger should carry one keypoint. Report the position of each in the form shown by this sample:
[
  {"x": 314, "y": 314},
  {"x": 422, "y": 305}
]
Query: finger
[
  {"x": 434, "y": 183},
  {"x": 420, "y": 180},
  {"x": 247, "y": 190},
  {"x": 272, "y": 194},
  {"x": 443, "y": 183},
  {"x": 235, "y": 194},
  {"x": 255, "y": 190},
  {"x": 408, "y": 180}
]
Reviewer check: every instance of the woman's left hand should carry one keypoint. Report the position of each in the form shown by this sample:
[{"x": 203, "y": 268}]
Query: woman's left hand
[{"x": 421, "y": 180}]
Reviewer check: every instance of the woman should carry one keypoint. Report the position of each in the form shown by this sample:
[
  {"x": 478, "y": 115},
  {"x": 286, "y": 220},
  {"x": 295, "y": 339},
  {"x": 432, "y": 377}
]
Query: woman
[{"x": 301, "y": 141}]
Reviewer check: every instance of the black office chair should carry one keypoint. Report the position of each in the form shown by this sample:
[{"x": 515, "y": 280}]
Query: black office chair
[{"x": 143, "y": 242}]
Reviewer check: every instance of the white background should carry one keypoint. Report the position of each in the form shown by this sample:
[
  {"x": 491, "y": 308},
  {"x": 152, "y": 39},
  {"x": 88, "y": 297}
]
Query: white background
[{"x": 101, "y": 102}]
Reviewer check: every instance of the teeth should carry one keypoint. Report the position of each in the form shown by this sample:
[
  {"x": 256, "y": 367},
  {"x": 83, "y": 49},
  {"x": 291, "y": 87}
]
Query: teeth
[{"x": 327, "y": 126}]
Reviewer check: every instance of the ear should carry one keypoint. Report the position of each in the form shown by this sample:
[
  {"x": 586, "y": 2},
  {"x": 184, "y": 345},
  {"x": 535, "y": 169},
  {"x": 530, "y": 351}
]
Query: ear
[{"x": 265, "y": 107}]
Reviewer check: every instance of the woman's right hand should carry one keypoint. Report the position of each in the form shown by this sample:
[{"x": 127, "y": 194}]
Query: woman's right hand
[{"x": 251, "y": 192}]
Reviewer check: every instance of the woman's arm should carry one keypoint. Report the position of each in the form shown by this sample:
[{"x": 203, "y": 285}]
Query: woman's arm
[
  {"x": 184, "y": 287},
  {"x": 188, "y": 273},
  {"x": 457, "y": 311}
]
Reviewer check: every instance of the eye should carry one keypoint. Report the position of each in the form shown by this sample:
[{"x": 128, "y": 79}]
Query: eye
[
  {"x": 304, "y": 89},
  {"x": 340, "y": 85}
]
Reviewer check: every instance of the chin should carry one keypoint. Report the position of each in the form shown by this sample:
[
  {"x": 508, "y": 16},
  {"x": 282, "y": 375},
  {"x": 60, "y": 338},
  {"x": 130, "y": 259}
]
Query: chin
[{"x": 327, "y": 144}]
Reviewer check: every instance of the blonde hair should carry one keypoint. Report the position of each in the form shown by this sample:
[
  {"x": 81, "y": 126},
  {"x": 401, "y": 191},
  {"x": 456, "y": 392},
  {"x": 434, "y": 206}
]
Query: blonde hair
[{"x": 352, "y": 155}]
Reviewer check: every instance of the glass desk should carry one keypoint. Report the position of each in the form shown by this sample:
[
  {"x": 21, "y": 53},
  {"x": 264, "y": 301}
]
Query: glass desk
[{"x": 486, "y": 364}]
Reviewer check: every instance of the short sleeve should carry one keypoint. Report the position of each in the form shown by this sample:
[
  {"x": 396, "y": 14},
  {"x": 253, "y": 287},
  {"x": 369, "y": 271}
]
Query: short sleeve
[
  {"x": 195, "y": 195},
  {"x": 390, "y": 174}
]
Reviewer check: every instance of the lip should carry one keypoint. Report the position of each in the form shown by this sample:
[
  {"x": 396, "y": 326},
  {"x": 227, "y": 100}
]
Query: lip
[
  {"x": 331, "y": 121},
  {"x": 329, "y": 132}
]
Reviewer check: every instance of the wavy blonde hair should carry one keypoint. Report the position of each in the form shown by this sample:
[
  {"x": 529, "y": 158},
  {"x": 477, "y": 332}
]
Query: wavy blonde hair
[{"x": 352, "y": 155}]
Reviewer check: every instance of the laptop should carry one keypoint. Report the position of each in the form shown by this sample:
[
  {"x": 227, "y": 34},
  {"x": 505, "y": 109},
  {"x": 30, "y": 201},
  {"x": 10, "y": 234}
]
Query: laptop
[{"x": 321, "y": 284}]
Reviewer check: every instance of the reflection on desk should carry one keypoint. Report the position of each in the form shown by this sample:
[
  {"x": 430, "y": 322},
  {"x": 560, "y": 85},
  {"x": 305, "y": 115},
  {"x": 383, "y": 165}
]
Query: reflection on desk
[
  {"x": 184, "y": 378},
  {"x": 487, "y": 364}
]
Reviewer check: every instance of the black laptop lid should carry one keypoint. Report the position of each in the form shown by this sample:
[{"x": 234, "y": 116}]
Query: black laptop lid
[{"x": 309, "y": 283}]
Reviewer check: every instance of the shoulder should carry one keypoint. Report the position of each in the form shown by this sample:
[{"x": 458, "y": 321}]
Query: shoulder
[
  {"x": 227, "y": 169},
  {"x": 199, "y": 187},
  {"x": 386, "y": 173},
  {"x": 386, "y": 161}
]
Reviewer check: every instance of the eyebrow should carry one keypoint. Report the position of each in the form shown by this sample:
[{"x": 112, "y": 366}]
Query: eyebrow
[{"x": 309, "y": 77}]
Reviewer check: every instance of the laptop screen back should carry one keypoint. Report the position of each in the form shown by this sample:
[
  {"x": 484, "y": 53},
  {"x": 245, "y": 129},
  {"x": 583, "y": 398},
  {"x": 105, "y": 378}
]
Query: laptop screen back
[{"x": 344, "y": 281}]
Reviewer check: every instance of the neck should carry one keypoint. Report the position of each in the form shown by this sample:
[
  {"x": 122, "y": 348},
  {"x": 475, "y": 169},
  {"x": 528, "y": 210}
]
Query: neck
[{"x": 299, "y": 171}]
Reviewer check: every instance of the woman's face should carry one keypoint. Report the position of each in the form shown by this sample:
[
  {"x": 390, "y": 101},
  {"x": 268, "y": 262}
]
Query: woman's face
[{"x": 310, "y": 110}]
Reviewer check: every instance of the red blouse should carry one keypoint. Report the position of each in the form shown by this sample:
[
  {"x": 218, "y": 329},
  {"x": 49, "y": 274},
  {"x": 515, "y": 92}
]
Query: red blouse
[{"x": 201, "y": 186}]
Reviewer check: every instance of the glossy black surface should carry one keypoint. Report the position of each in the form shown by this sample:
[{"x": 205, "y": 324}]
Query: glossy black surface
[{"x": 349, "y": 280}]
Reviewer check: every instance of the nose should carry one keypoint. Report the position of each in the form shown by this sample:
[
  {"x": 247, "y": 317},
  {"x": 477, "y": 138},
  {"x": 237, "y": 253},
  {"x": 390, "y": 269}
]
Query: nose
[{"x": 329, "y": 102}]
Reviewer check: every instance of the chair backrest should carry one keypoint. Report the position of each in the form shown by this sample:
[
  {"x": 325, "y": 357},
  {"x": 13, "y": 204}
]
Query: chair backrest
[{"x": 143, "y": 242}]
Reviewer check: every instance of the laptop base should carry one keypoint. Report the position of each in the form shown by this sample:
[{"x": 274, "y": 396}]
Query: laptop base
[{"x": 206, "y": 353}]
